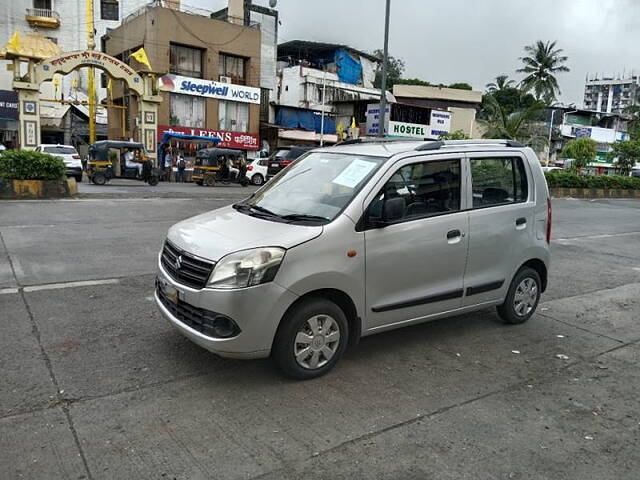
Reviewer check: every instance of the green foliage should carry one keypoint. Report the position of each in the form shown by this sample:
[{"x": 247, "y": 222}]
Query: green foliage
[
  {"x": 412, "y": 81},
  {"x": 502, "y": 82},
  {"x": 27, "y": 165},
  {"x": 395, "y": 69},
  {"x": 516, "y": 125},
  {"x": 565, "y": 179},
  {"x": 542, "y": 61},
  {"x": 457, "y": 135},
  {"x": 461, "y": 86},
  {"x": 627, "y": 153},
  {"x": 582, "y": 150},
  {"x": 509, "y": 98}
]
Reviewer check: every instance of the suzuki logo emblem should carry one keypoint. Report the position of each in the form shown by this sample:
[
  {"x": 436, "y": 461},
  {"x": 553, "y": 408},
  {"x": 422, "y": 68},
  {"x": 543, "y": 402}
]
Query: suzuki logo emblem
[{"x": 178, "y": 263}]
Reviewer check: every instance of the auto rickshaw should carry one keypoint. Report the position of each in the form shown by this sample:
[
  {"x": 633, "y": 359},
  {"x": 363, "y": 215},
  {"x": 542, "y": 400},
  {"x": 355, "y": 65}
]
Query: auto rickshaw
[
  {"x": 102, "y": 167},
  {"x": 211, "y": 167}
]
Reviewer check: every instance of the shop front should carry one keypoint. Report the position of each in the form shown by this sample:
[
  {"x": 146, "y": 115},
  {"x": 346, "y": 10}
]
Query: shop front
[{"x": 8, "y": 119}]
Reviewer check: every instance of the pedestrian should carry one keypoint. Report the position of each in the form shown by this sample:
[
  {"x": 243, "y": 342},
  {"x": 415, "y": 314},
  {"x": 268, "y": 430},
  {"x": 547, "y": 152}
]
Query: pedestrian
[
  {"x": 182, "y": 165},
  {"x": 233, "y": 171},
  {"x": 167, "y": 164}
]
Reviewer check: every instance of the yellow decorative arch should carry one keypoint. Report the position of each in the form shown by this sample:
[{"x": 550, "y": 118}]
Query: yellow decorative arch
[{"x": 70, "y": 61}]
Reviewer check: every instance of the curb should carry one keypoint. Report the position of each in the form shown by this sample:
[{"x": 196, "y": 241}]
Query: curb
[
  {"x": 37, "y": 189},
  {"x": 594, "y": 192}
]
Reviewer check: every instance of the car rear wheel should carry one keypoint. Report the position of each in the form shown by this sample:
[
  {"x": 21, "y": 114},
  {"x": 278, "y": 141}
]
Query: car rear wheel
[
  {"x": 209, "y": 181},
  {"x": 522, "y": 298},
  {"x": 311, "y": 339},
  {"x": 257, "y": 179}
]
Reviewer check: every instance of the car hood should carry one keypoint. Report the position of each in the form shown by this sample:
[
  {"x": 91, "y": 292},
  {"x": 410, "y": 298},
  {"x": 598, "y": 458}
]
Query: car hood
[{"x": 215, "y": 234}]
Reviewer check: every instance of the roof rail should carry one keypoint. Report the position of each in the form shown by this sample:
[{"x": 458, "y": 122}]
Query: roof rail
[
  {"x": 353, "y": 141},
  {"x": 430, "y": 145}
]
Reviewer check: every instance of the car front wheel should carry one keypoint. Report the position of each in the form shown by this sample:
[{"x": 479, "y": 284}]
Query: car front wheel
[
  {"x": 311, "y": 339},
  {"x": 522, "y": 298},
  {"x": 257, "y": 179}
]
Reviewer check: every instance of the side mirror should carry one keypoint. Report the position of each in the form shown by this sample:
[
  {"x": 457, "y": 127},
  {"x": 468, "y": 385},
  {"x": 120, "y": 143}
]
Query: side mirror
[{"x": 393, "y": 209}]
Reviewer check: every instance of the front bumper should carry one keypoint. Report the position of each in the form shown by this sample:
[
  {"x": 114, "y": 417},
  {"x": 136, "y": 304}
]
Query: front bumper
[{"x": 256, "y": 310}]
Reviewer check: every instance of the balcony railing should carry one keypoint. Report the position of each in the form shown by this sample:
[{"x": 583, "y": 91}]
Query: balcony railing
[{"x": 43, "y": 17}]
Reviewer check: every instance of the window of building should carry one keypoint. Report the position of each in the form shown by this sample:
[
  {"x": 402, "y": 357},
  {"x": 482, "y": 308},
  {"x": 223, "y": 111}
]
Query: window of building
[
  {"x": 497, "y": 181},
  {"x": 426, "y": 188},
  {"x": 44, "y": 4},
  {"x": 104, "y": 80},
  {"x": 233, "y": 67},
  {"x": 187, "y": 111},
  {"x": 233, "y": 116},
  {"x": 109, "y": 10},
  {"x": 185, "y": 61}
]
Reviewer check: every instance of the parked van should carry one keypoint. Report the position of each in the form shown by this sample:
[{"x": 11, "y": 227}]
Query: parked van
[{"x": 358, "y": 239}]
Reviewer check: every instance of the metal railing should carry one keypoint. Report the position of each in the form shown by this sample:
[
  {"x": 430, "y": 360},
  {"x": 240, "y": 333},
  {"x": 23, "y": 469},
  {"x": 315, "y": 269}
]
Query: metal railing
[{"x": 43, "y": 12}]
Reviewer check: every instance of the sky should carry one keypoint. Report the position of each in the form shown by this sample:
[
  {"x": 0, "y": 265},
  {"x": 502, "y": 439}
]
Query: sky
[{"x": 473, "y": 41}]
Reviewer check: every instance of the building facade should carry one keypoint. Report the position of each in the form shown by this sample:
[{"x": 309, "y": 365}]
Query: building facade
[
  {"x": 611, "y": 95},
  {"x": 209, "y": 75}
]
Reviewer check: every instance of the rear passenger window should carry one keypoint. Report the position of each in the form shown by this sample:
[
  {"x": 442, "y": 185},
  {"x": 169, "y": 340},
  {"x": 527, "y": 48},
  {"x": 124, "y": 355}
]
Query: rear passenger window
[
  {"x": 426, "y": 188},
  {"x": 498, "y": 181}
]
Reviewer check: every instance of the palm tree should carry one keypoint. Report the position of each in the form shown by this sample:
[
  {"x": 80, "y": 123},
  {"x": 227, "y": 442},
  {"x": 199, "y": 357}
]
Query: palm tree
[
  {"x": 517, "y": 125},
  {"x": 501, "y": 83},
  {"x": 542, "y": 62}
]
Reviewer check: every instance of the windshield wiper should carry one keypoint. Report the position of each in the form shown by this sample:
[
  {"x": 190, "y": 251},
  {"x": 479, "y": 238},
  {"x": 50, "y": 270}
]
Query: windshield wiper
[
  {"x": 301, "y": 216},
  {"x": 257, "y": 208}
]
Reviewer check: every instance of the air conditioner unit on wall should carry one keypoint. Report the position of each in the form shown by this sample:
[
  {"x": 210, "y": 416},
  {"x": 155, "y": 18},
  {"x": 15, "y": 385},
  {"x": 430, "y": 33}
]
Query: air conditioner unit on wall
[{"x": 225, "y": 79}]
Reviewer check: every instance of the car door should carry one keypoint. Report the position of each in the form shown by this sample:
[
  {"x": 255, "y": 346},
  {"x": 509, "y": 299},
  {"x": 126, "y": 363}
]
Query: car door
[
  {"x": 415, "y": 262},
  {"x": 501, "y": 223}
]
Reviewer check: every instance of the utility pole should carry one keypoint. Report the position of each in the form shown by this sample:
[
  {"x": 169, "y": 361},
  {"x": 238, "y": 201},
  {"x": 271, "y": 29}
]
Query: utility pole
[
  {"x": 553, "y": 112},
  {"x": 385, "y": 61},
  {"x": 91, "y": 45},
  {"x": 324, "y": 94}
]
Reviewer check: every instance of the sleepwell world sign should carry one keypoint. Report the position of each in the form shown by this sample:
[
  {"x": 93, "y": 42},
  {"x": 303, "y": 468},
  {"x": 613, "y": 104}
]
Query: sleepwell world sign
[{"x": 208, "y": 88}]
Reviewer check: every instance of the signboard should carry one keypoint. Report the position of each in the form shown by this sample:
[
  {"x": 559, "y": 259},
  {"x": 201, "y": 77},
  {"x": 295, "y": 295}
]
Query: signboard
[
  {"x": 582, "y": 132},
  {"x": 208, "y": 88},
  {"x": 373, "y": 118},
  {"x": 413, "y": 130},
  {"x": 8, "y": 105},
  {"x": 440, "y": 123},
  {"x": 238, "y": 140}
]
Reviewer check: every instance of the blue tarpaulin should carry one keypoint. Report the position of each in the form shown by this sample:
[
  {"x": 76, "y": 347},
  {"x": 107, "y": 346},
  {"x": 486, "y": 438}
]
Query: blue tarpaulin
[
  {"x": 304, "y": 119},
  {"x": 349, "y": 69}
]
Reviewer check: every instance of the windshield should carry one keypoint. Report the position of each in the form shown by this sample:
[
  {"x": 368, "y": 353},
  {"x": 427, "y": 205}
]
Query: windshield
[
  {"x": 60, "y": 150},
  {"x": 315, "y": 188}
]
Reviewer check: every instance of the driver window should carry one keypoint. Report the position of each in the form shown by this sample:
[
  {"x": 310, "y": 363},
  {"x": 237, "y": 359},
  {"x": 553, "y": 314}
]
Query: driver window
[{"x": 427, "y": 189}]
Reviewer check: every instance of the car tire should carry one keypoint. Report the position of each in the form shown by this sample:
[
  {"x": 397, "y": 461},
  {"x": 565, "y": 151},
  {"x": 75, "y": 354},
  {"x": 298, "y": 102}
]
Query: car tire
[
  {"x": 99, "y": 178},
  {"x": 78, "y": 178},
  {"x": 522, "y": 297},
  {"x": 257, "y": 179},
  {"x": 301, "y": 349},
  {"x": 209, "y": 181}
]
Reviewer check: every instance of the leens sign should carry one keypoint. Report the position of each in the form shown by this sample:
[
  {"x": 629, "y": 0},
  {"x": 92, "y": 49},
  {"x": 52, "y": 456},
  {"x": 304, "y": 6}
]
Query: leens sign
[
  {"x": 208, "y": 88},
  {"x": 239, "y": 140}
]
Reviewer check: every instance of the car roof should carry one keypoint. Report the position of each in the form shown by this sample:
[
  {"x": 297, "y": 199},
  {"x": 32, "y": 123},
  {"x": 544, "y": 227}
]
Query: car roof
[{"x": 383, "y": 147}]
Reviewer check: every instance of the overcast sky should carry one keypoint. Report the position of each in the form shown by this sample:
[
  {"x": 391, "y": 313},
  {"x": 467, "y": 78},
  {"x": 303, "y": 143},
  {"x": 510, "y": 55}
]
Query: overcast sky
[{"x": 473, "y": 40}]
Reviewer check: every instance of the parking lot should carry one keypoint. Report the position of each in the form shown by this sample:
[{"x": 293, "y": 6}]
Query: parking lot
[{"x": 96, "y": 385}]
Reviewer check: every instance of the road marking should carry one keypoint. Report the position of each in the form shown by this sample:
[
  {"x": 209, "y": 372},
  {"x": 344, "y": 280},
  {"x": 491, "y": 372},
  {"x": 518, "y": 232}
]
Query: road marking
[
  {"x": 592, "y": 237},
  {"x": 55, "y": 286},
  {"x": 5, "y": 291}
]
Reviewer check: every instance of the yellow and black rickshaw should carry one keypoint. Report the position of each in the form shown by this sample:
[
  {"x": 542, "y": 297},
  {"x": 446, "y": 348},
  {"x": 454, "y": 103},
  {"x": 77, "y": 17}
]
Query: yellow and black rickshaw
[
  {"x": 108, "y": 159},
  {"x": 211, "y": 167}
]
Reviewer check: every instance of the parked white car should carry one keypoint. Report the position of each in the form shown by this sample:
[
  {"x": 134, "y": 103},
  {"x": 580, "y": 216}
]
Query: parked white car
[
  {"x": 257, "y": 171},
  {"x": 69, "y": 156}
]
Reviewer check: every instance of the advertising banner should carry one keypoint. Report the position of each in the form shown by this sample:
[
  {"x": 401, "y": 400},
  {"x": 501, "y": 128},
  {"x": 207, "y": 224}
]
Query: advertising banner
[
  {"x": 208, "y": 88},
  {"x": 8, "y": 105},
  {"x": 238, "y": 140}
]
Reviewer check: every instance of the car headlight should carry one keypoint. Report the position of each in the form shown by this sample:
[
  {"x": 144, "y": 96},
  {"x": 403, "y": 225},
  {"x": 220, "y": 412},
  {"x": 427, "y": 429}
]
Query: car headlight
[{"x": 246, "y": 268}]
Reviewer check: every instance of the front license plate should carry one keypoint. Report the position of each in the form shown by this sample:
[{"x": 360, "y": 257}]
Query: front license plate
[
  {"x": 171, "y": 292},
  {"x": 275, "y": 165}
]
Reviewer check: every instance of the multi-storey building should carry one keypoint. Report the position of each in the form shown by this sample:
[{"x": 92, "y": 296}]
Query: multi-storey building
[{"x": 611, "y": 95}]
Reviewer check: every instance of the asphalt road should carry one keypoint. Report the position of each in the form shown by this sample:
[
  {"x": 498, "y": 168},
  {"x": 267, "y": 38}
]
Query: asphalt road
[{"x": 96, "y": 385}]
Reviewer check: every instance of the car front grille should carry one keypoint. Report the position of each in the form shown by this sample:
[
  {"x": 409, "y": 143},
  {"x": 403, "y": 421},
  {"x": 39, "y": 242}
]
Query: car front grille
[
  {"x": 184, "y": 268},
  {"x": 197, "y": 318}
]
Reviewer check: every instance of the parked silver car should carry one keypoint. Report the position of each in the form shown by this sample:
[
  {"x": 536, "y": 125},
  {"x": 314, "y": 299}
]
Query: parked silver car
[{"x": 357, "y": 239}]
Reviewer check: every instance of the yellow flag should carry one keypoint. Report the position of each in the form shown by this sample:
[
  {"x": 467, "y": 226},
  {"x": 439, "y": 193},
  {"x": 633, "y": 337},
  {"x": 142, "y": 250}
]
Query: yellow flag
[
  {"x": 14, "y": 43},
  {"x": 141, "y": 56},
  {"x": 110, "y": 88},
  {"x": 353, "y": 122}
]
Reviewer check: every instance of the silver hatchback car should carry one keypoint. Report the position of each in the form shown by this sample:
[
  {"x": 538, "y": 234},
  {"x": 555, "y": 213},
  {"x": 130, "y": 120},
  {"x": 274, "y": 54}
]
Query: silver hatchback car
[{"x": 357, "y": 239}]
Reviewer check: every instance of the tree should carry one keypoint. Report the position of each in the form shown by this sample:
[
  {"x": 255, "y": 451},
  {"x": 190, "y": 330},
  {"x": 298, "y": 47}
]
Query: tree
[
  {"x": 582, "y": 151},
  {"x": 461, "y": 86},
  {"x": 502, "y": 82},
  {"x": 510, "y": 98},
  {"x": 541, "y": 64},
  {"x": 413, "y": 81},
  {"x": 516, "y": 125},
  {"x": 395, "y": 69},
  {"x": 457, "y": 135},
  {"x": 628, "y": 154}
]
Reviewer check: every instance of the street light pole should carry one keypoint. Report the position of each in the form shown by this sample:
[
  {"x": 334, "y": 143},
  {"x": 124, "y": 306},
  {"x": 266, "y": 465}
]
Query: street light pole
[
  {"x": 553, "y": 112},
  {"x": 385, "y": 61},
  {"x": 324, "y": 94}
]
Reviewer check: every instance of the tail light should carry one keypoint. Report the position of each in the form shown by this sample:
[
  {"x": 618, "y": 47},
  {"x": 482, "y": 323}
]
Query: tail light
[
  {"x": 249, "y": 168},
  {"x": 75, "y": 157},
  {"x": 284, "y": 163},
  {"x": 549, "y": 217}
]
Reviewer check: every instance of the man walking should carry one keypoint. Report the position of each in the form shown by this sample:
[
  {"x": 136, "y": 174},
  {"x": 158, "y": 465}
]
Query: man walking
[{"x": 182, "y": 165}]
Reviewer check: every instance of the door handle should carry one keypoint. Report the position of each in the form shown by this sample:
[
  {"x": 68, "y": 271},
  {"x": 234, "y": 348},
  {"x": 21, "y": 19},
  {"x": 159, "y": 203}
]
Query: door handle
[
  {"x": 521, "y": 223},
  {"x": 451, "y": 234}
]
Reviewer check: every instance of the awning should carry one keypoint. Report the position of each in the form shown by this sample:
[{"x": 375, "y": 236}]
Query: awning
[
  {"x": 306, "y": 136},
  {"x": 52, "y": 115}
]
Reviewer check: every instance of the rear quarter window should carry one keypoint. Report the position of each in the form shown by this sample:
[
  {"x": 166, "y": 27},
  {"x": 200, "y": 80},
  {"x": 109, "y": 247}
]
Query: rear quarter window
[{"x": 498, "y": 181}]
